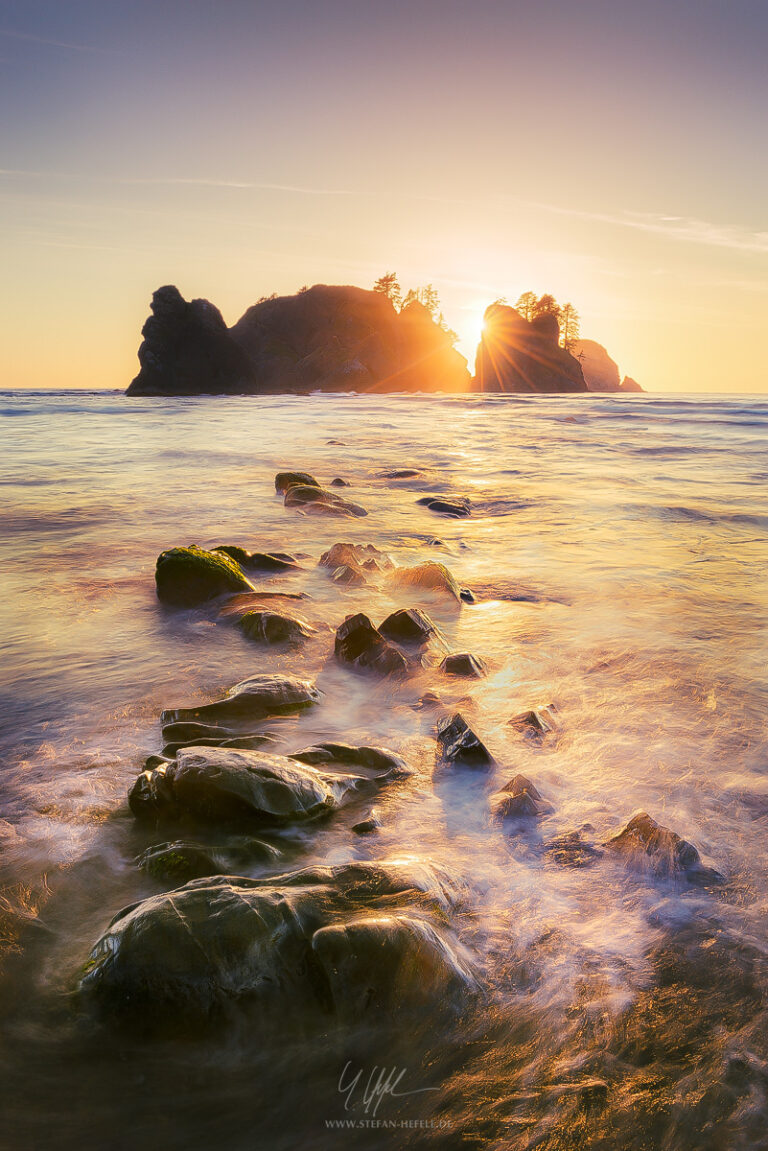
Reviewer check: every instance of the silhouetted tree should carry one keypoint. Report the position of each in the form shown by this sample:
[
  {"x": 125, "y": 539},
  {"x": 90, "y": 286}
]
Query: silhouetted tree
[
  {"x": 427, "y": 295},
  {"x": 570, "y": 326},
  {"x": 389, "y": 285},
  {"x": 526, "y": 305},
  {"x": 547, "y": 305}
]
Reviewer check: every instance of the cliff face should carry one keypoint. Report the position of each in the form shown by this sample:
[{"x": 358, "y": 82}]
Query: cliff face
[
  {"x": 600, "y": 371},
  {"x": 516, "y": 355},
  {"x": 326, "y": 337}
]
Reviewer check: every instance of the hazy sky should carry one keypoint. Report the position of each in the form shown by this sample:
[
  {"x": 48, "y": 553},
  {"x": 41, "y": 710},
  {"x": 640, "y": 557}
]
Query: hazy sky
[{"x": 612, "y": 153}]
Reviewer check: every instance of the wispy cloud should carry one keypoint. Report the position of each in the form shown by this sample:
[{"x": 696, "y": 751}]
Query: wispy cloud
[
  {"x": 686, "y": 228},
  {"x": 248, "y": 185},
  {"x": 30, "y": 38}
]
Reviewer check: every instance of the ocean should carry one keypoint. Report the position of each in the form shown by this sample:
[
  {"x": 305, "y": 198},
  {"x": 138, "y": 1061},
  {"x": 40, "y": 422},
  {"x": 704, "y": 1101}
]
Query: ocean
[{"x": 617, "y": 555}]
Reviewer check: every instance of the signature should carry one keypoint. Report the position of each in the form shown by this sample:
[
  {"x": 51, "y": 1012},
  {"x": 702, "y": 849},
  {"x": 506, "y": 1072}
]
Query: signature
[{"x": 381, "y": 1081}]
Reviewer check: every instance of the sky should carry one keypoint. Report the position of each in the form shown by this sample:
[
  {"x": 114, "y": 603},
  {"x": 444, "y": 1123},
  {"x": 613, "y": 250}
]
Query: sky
[{"x": 611, "y": 153}]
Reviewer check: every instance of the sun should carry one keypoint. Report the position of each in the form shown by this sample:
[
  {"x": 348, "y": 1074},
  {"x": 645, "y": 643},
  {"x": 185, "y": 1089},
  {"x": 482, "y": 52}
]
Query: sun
[{"x": 471, "y": 327}]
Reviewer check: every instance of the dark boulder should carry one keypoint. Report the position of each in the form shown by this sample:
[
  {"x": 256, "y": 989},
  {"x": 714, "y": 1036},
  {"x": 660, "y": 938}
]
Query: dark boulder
[
  {"x": 253, "y": 699},
  {"x": 214, "y": 785},
  {"x": 408, "y": 626},
  {"x": 372, "y": 822},
  {"x": 182, "y": 860},
  {"x": 649, "y": 846},
  {"x": 290, "y": 948},
  {"x": 517, "y": 355},
  {"x": 271, "y": 627},
  {"x": 189, "y": 576},
  {"x": 519, "y": 799},
  {"x": 285, "y": 480},
  {"x": 535, "y": 723},
  {"x": 362, "y": 646},
  {"x": 260, "y": 561},
  {"x": 464, "y": 664},
  {"x": 459, "y": 745},
  {"x": 457, "y": 507},
  {"x": 319, "y": 501}
]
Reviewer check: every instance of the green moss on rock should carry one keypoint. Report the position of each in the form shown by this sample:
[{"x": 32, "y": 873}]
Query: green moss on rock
[{"x": 189, "y": 576}]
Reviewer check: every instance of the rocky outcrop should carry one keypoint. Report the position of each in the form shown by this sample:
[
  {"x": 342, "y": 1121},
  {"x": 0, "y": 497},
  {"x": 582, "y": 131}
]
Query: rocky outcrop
[
  {"x": 328, "y": 338},
  {"x": 600, "y": 371},
  {"x": 188, "y": 350},
  {"x": 517, "y": 355}
]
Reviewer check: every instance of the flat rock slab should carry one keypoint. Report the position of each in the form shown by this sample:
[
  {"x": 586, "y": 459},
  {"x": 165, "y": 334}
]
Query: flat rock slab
[{"x": 254, "y": 698}]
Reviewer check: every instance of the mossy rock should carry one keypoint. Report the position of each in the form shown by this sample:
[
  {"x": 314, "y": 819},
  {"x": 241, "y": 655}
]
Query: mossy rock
[
  {"x": 189, "y": 576},
  {"x": 271, "y": 627}
]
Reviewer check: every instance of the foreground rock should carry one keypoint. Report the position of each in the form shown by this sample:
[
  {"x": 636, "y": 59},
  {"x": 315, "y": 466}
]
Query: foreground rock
[
  {"x": 362, "y": 646},
  {"x": 228, "y": 785},
  {"x": 517, "y": 355},
  {"x": 260, "y": 561},
  {"x": 520, "y": 799},
  {"x": 355, "y": 564},
  {"x": 377, "y": 762},
  {"x": 182, "y": 860},
  {"x": 327, "y": 337},
  {"x": 272, "y": 628},
  {"x": 464, "y": 664},
  {"x": 433, "y": 578},
  {"x": 456, "y": 508},
  {"x": 319, "y": 501},
  {"x": 292, "y": 947},
  {"x": 649, "y": 846},
  {"x": 253, "y": 699},
  {"x": 458, "y": 745},
  {"x": 408, "y": 626},
  {"x": 285, "y": 480},
  {"x": 571, "y": 850},
  {"x": 189, "y": 576},
  {"x": 535, "y": 724}
]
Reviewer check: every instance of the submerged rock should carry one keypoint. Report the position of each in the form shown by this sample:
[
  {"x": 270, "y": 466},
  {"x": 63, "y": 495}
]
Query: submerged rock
[
  {"x": 535, "y": 723},
  {"x": 321, "y": 501},
  {"x": 248, "y": 742},
  {"x": 371, "y": 823},
  {"x": 271, "y": 627},
  {"x": 229, "y": 785},
  {"x": 385, "y": 763},
  {"x": 430, "y": 577},
  {"x": 408, "y": 626},
  {"x": 189, "y": 576},
  {"x": 285, "y": 480},
  {"x": 570, "y": 850},
  {"x": 456, "y": 507},
  {"x": 352, "y": 577},
  {"x": 464, "y": 664},
  {"x": 519, "y": 799},
  {"x": 459, "y": 745},
  {"x": 361, "y": 645},
  {"x": 254, "y": 698},
  {"x": 281, "y": 947},
  {"x": 182, "y": 860},
  {"x": 358, "y": 557},
  {"x": 259, "y": 561},
  {"x": 650, "y": 846}
]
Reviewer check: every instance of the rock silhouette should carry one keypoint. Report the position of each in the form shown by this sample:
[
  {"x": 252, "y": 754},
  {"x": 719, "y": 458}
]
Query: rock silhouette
[{"x": 517, "y": 355}]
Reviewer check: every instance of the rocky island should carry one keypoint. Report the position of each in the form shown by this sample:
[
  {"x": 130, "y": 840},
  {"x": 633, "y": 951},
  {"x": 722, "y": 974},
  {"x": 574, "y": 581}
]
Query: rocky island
[{"x": 343, "y": 338}]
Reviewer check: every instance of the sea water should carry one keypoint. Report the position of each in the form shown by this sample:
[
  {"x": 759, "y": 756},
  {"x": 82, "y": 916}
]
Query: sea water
[{"x": 617, "y": 552}]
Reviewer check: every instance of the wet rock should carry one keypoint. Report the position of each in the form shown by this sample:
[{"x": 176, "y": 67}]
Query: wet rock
[
  {"x": 182, "y": 860},
  {"x": 519, "y": 799},
  {"x": 361, "y": 645},
  {"x": 271, "y": 627},
  {"x": 648, "y": 845},
  {"x": 459, "y": 745},
  {"x": 401, "y": 474},
  {"x": 249, "y": 742},
  {"x": 570, "y": 850},
  {"x": 467, "y": 596},
  {"x": 427, "y": 702},
  {"x": 339, "y": 483},
  {"x": 259, "y": 561},
  {"x": 408, "y": 626},
  {"x": 464, "y": 664},
  {"x": 319, "y": 501},
  {"x": 371, "y": 823},
  {"x": 535, "y": 723},
  {"x": 285, "y": 480},
  {"x": 390, "y": 963},
  {"x": 290, "y": 947},
  {"x": 229, "y": 785},
  {"x": 189, "y": 576},
  {"x": 350, "y": 576},
  {"x": 458, "y": 507},
  {"x": 380, "y": 760},
  {"x": 358, "y": 557},
  {"x": 430, "y": 577},
  {"x": 254, "y": 698}
]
